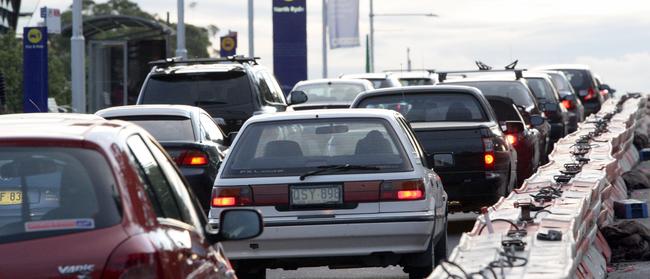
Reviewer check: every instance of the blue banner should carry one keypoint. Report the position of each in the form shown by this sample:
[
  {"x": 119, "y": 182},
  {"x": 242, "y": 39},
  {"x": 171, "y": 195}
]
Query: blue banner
[
  {"x": 289, "y": 42},
  {"x": 228, "y": 45},
  {"x": 35, "y": 84}
]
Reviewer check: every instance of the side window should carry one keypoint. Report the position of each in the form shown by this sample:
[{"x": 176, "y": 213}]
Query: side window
[
  {"x": 158, "y": 188},
  {"x": 413, "y": 140},
  {"x": 275, "y": 88},
  {"x": 211, "y": 128},
  {"x": 264, "y": 87}
]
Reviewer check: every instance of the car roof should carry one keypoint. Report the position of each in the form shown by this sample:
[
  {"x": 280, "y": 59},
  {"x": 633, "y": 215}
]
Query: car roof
[
  {"x": 199, "y": 68},
  {"x": 564, "y": 67},
  {"x": 420, "y": 89},
  {"x": 325, "y": 113},
  {"x": 528, "y": 74},
  {"x": 492, "y": 77},
  {"x": 60, "y": 126},
  {"x": 366, "y": 75},
  {"x": 142, "y": 110},
  {"x": 363, "y": 82},
  {"x": 414, "y": 74}
]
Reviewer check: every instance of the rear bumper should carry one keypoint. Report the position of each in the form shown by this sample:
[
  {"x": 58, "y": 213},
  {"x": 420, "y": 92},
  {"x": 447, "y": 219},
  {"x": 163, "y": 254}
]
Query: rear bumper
[
  {"x": 469, "y": 191},
  {"x": 335, "y": 237},
  {"x": 591, "y": 107},
  {"x": 201, "y": 183},
  {"x": 573, "y": 121},
  {"x": 557, "y": 131}
]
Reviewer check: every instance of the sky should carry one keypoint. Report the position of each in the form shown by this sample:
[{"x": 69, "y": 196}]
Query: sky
[{"x": 612, "y": 37}]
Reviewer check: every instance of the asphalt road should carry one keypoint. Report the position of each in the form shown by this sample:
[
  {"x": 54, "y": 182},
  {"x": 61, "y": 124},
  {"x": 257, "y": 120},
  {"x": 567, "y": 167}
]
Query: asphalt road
[{"x": 458, "y": 223}]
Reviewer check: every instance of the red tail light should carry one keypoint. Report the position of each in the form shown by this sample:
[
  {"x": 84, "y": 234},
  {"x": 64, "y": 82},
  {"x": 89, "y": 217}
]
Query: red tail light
[
  {"x": 232, "y": 196},
  {"x": 512, "y": 139},
  {"x": 488, "y": 155},
  {"x": 567, "y": 104},
  {"x": 590, "y": 94},
  {"x": 401, "y": 190},
  {"x": 135, "y": 258},
  {"x": 192, "y": 158}
]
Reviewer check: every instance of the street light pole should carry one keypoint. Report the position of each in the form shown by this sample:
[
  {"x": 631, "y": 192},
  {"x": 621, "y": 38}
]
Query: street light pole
[
  {"x": 181, "y": 51},
  {"x": 77, "y": 59},
  {"x": 324, "y": 38},
  {"x": 372, "y": 39},
  {"x": 251, "y": 44}
]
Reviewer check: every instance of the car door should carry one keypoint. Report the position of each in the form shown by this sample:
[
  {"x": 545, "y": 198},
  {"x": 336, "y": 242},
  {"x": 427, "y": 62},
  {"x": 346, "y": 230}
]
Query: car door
[{"x": 179, "y": 236}]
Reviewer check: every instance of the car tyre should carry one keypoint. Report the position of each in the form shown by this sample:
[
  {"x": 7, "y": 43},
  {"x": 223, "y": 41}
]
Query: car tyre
[{"x": 434, "y": 254}]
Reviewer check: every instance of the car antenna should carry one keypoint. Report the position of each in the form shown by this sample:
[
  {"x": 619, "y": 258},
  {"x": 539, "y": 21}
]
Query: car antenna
[
  {"x": 482, "y": 66},
  {"x": 512, "y": 65}
]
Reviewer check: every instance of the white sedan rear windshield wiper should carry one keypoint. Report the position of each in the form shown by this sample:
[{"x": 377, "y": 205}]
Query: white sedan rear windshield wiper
[{"x": 344, "y": 167}]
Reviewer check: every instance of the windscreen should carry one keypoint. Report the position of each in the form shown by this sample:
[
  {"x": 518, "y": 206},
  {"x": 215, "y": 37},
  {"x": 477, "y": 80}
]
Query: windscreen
[
  {"x": 331, "y": 92},
  {"x": 213, "y": 92},
  {"x": 430, "y": 107},
  {"x": 542, "y": 90},
  {"x": 579, "y": 79},
  {"x": 164, "y": 128},
  {"x": 415, "y": 81},
  {"x": 560, "y": 82},
  {"x": 295, "y": 147},
  {"x": 50, "y": 191},
  {"x": 511, "y": 90}
]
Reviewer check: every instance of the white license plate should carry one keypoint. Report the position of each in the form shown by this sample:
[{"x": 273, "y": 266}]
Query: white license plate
[{"x": 316, "y": 195}]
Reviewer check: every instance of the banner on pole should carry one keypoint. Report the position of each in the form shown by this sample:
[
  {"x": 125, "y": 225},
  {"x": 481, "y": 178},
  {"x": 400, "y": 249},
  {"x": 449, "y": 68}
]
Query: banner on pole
[
  {"x": 289, "y": 42},
  {"x": 343, "y": 23},
  {"x": 35, "y": 84}
]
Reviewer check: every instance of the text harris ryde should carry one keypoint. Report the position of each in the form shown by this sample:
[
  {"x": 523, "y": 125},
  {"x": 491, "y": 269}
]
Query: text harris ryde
[{"x": 289, "y": 9}]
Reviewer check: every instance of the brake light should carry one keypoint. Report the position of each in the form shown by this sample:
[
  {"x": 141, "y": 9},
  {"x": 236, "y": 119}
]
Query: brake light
[
  {"x": 192, "y": 158},
  {"x": 488, "y": 155},
  {"x": 232, "y": 196},
  {"x": 402, "y": 190},
  {"x": 567, "y": 104},
  {"x": 512, "y": 139},
  {"x": 135, "y": 258},
  {"x": 590, "y": 94}
]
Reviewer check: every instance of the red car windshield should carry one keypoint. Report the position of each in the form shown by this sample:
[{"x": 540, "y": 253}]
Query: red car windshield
[{"x": 50, "y": 191}]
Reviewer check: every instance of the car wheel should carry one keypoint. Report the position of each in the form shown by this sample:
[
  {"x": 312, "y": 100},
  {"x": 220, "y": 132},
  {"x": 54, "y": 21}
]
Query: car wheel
[
  {"x": 250, "y": 273},
  {"x": 431, "y": 257}
]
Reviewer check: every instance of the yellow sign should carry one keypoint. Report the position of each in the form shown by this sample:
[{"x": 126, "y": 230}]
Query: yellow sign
[
  {"x": 34, "y": 36},
  {"x": 228, "y": 43}
]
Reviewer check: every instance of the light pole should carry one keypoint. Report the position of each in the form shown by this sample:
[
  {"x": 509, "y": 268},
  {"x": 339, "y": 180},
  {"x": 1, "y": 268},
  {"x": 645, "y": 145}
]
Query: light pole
[
  {"x": 372, "y": 29},
  {"x": 251, "y": 45},
  {"x": 181, "y": 51},
  {"x": 324, "y": 38},
  {"x": 77, "y": 63}
]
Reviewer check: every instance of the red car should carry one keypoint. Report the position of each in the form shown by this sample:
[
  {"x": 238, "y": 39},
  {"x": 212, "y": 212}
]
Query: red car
[{"x": 82, "y": 197}]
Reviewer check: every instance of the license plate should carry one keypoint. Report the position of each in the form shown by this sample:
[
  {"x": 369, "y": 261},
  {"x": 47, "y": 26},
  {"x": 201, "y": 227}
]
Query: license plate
[
  {"x": 11, "y": 197},
  {"x": 316, "y": 195},
  {"x": 443, "y": 160}
]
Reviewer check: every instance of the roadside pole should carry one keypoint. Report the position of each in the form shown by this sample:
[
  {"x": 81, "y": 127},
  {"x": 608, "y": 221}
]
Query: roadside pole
[
  {"x": 78, "y": 63},
  {"x": 251, "y": 30},
  {"x": 324, "y": 38},
  {"x": 181, "y": 51}
]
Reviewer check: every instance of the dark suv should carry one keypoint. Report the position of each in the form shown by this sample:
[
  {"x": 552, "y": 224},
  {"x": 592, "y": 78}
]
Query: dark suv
[
  {"x": 230, "y": 89},
  {"x": 584, "y": 84}
]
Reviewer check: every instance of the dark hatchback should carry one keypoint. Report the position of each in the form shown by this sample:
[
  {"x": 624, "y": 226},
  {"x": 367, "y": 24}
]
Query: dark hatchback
[
  {"x": 517, "y": 91},
  {"x": 230, "y": 89},
  {"x": 569, "y": 98},
  {"x": 550, "y": 102},
  {"x": 460, "y": 135},
  {"x": 188, "y": 134}
]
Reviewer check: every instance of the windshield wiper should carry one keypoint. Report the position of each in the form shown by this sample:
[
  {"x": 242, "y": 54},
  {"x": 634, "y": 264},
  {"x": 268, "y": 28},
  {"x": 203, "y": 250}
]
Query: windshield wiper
[
  {"x": 209, "y": 103},
  {"x": 345, "y": 167}
]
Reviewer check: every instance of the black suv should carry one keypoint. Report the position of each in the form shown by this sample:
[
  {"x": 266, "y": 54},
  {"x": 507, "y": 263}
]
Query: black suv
[
  {"x": 230, "y": 89},
  {"x": 584, "y": 84}
]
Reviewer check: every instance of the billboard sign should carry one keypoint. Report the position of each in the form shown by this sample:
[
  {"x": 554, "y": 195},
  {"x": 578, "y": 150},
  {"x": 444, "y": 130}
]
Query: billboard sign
[
  {"x": 35, "y": 84},
  {"x": 289, "y": 42}
]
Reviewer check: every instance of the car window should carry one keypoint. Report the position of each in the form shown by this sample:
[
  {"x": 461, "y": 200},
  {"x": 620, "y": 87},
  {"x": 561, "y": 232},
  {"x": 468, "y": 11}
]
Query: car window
[
  {"x": 510, "y": 89},
  {"x": 211, "y": 128},
  {"x": 413, "y": 140},
  {"x": 51, "y": 191},
  {"x": 293, "y": 147},
  {"x": 156, "y": 183},
  {"x": 276, "y": 90},
  {"x": 163, "y": 127},
  {"x": 270, "y": 92},
  {"x": 210, "y": 91},
  {"x": 415, "y": 81},
  {"x": 429, "y": 107},
  {"x": 505, "y": 111},
  {"x": 328, "y": 92},
  {"x": 579, "y": 79},
  {"x": 542, "y": 90},
  {"x": 560, "y": 82},
  {"x": 187, "y": 203}
]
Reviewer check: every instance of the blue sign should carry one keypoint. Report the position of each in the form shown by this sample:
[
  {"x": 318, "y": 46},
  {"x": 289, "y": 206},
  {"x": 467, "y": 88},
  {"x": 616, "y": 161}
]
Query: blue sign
[
  {"x": 35, "y": 85},
  {"x": 289, "y": 42},
  {"x": 228, "y": 45}
]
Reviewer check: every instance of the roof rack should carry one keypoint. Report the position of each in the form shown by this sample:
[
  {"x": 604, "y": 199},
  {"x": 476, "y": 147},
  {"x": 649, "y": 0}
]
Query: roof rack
[
  {"x": 180, "y": 60},
  {"x": 430, "y": 71},
  {"x": 442, "y": 75}
]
